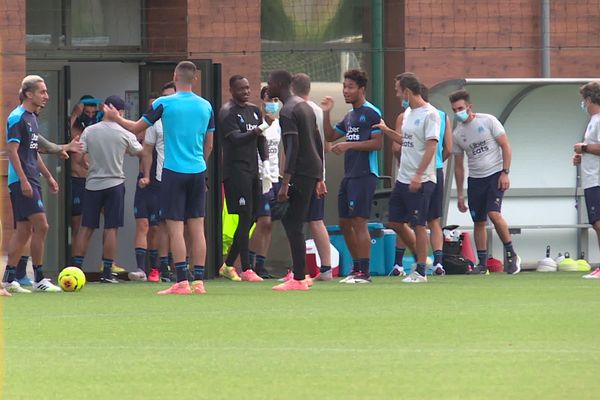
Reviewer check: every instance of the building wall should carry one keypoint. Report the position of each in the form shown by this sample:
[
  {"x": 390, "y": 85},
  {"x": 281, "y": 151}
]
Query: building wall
[
  {"x": 12, "y": 70},
  {"x": 228, "y": 32}
]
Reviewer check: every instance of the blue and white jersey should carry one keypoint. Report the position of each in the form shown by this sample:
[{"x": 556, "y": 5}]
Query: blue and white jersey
[
  {"x": 186, "y": 119},
  {"x": 22, "y": 127},
  {"x": 357, "y": 126}
]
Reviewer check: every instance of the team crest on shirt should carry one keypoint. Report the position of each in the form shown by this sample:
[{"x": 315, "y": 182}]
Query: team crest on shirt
[
  {"x": 417, "y": 122},
  {"x": 481, "y": 129},
  {"x": 40, "y": 204},
  {"x": 242, "y": 201},
  {"x": 255, "y": 116},
  {"x": 362, "y": 118},
  {"x": 497, "y": 201},
  {"x": 351, "y": 204}
]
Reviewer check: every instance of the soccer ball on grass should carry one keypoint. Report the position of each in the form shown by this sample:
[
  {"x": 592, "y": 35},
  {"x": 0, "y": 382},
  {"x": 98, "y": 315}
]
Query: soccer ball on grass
[{"x": 71, "y": 279}]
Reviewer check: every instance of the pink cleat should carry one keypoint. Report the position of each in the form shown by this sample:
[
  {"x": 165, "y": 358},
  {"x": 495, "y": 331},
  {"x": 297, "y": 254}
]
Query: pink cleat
[
  {"x": 250, "y": 276},
  {"x": 292, "y": 284},
  {"x": 287, "y": 277},
  {"x": 4, "y": 292},
  {"x": 182, "y": 287},
  {"x": 198, "y": 287},
  {"x": 154, "y": 275}
]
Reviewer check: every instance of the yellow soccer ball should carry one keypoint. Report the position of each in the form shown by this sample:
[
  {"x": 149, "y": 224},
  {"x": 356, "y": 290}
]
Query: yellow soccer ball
[{"x": 71, "y": 279}]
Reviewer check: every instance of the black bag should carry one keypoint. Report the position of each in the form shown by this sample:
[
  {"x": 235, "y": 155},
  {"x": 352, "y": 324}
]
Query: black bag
[{"x": 456, "y": 264}]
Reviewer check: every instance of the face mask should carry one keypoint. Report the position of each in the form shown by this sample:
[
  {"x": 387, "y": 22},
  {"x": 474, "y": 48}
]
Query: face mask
[
  {"x": 271, "y": 107},
  {"x": 583, "y": 106},
  {"x": 462, "y": 116},
  {"x": 405, "y": 103}
]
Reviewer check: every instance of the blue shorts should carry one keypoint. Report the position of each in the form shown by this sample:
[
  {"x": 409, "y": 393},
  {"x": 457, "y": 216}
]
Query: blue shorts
[
  {"x": 484, "y": 196},
  {"x": 267, "y": 201},
  {"x": 592, "y": 202},
  {"x": 242, "y": 192},
  {"x": 77, "y": 191},
  {"x": 355, "y": 197},
  {"x": 109, "y": 201},
  {"x": 146, "y": 203},
  {"x": 410, "y": 207},
  {"x": 436, "y": 203},
  {"x": 23, "y": 207},
  {"x": 316, "y": 211},
  {"x": 182, "y": 196}
]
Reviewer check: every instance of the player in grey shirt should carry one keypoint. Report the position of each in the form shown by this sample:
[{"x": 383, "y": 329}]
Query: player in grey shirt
[
  {"x": 483, "y": 138},
  {"x": 105, "y": 144}
]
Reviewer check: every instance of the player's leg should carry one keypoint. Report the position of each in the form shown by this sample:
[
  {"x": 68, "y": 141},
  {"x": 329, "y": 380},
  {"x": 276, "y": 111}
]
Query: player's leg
[
  {"x": 434, "y": 222},
  {"x": 114, "y": 217},
  {"x": 237, "y": 203},
  {"x": 397, "y": 221},
  {"x": 477, "y": 199},
  {"x": 316, "y": 213},
  {"x": 417, "y": 204},
  {"x": 259, "y": 244},
  {"x": 246, "y": 217},
  {"x": 346, "y": 227},
  {"x": 16, "y": 244},
  {"x": 293, "y": 222},
  {"x": 592, "y": 202},
  {"x": 21, "y": 271},
  {"x": 142, "y": 226}
]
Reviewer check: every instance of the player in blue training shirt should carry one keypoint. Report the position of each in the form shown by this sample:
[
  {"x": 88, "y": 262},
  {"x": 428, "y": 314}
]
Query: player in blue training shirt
[
  {"x": 24, "y": 168},
  {"x": 360, "y": 168},
  {"x": 188, "y": 125}
]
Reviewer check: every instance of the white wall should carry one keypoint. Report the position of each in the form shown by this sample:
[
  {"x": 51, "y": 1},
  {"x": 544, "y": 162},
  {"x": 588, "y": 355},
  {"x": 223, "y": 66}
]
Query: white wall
[{"x": 102, "y": 79}]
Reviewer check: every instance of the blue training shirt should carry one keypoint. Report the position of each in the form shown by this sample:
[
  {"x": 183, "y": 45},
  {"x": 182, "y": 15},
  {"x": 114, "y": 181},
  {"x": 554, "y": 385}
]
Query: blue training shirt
[
  {"x": 186, "y": 119},
  {"x": 357, "y": 126},
  {"x": 439, "y": 157},
  {"x": 22, "y": 128}
]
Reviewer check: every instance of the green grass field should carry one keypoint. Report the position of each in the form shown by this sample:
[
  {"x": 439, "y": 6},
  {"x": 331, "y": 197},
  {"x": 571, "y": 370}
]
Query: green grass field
[{"x": 530, "y": 336}]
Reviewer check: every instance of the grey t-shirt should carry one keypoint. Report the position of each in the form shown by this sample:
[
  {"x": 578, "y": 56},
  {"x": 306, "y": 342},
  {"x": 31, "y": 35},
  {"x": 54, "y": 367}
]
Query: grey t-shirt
[
  {"x": 590, "y": 163},
  {"x": 477, "y": 138},
  {"x": 418, "y": 126},
  {"x": 106, "y": 144}
]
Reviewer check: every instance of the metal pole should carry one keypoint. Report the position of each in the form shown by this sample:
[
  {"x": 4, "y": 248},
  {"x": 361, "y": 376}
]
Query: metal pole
[
  {"x": 545, "y": 25},
  {"x": 377, "y": 59}
]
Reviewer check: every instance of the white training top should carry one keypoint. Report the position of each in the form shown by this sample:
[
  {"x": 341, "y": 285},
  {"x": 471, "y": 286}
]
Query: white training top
[
  {"x": 319, "y": 114},
  {"x": 155, "y": 136},
  {"x": 418, "y": 126},
  {"x": 590, "y": 163},
  {"x": 477, "y": 138},
  {"x": 273, "y": 136}
]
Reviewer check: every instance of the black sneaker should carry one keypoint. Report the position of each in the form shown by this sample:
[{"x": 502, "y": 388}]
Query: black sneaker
[
  {"x": 109, "y": 279},
  {"x": 263, "y": 273},
  {"x": 478, "y": 270},
  {"x": 166, "y": 277},
  {"x": 362, "y": 278},
  {"x": 512, "y": 264}
]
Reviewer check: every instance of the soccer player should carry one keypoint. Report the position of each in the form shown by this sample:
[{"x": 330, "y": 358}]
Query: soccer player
[
  {"x": 360, "y": 168},
  {"x": 444, "y": 149},
  {"x": 587, "y": 154},
  {"x": 410, "y": 200},
  {"x": 151, "y": 170},
  {"x": 261, "y": 237},
  {"x": 84, "y": 114},
  {"x": 240, "y": 128},
  {"x": 303, "y": 172},
  {"x": 24, "y": 168},
  {"x": 316, "y": 212},
  {"x": 483, "y": 138},
  {"x": 105, "y": 144},
  {"x": 188, "y": 125}
]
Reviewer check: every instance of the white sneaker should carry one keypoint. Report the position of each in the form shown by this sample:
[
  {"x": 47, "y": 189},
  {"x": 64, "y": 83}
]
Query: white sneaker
[
  {"x": 348, "y": 279},
  {"x": 138, "y": 275},
  {"x": 398, "y": 270},
  {"x": 325, "y": 276},
  {"x": 595, "y": 274},
  {"x": 46, "y": 286},
  {"x": 438, "y": 269},
  {"x": 415, "y": 277},
  {"x": 14, "y": 287}
]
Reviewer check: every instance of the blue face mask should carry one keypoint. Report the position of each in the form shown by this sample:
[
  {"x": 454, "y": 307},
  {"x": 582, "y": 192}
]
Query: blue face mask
[
  {"x": 462, "y": 116},
  {"x": 583, "y": 106},
  {"x": 405, "y": 103},
  {"x": 271, "y": 107}
]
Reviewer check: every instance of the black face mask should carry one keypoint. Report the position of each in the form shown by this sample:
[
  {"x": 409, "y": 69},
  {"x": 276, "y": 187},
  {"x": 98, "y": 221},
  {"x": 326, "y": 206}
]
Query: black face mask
[{"x": 87, "y": 121}]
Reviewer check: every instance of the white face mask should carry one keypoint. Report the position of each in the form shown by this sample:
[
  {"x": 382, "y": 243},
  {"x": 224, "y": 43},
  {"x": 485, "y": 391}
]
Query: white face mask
[{"x": 583, "y": 106}]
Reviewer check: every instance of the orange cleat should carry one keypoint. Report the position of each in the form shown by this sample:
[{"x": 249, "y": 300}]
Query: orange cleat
[
  {"x": 292, "y": 284},
  {"x": 250, "y": 276},
  {"x": 182, "y": 287}
]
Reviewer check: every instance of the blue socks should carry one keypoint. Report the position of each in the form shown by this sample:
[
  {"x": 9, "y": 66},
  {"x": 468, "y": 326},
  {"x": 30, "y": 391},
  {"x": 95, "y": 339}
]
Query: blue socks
[
  {"x": 22, "y": 267},
  {"x": 140, "y": 258},
  {"x": 182, "y": 270},
  {"x": 399, "y": 256},
  {"x": 482, "y": 255},
  {"x": 107, "y": 267},
  {"x": 77, "y": 261},
  {"x": 38, "y": 273},
  {"x": 437, "y": 257},
  {"x": 9, "y": 274},
  {"x": 198, "y": 272}
]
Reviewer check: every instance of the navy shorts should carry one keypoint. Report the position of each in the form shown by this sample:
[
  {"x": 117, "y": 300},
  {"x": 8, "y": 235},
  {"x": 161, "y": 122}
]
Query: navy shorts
[
  {"x": 23, "y": 207},
  {"x": 146, "y": 203},
  {"x": 266, "y": 201},
  {"x": 484, "y": 196},
  {"x": 242, "y": 192},
  {"x": 316, "y": 211},
  {"x": 182, "y": 196},
  {"x": 77, "y": 192},
  {"x": 109, "y": 201},
  {"x": 436, "y": 203},
  {"x": 592, "y": 202},
  {"x": 410, "y": 207},
  {"x": 355, "y": 197}
]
